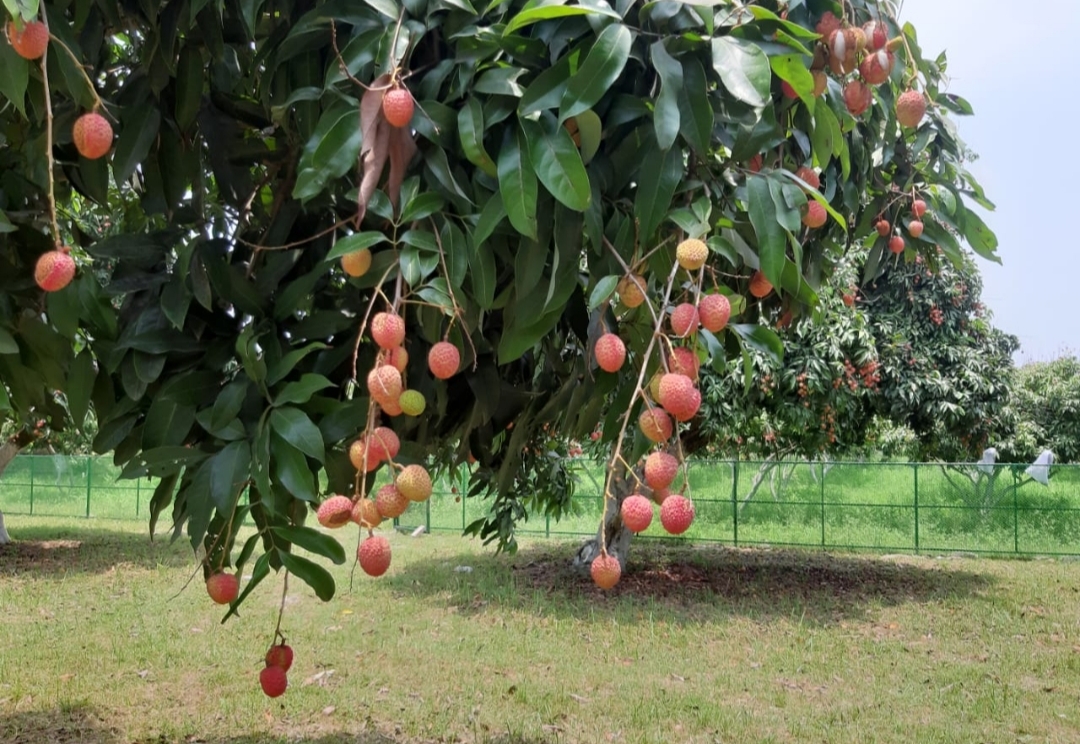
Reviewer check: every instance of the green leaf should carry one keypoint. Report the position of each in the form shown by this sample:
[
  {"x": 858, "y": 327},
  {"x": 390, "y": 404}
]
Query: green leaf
[
  {"x": 259, "y": 572},
  {"x": 230, "y": 469},
  {"x": 772, "y": 242},
  {"x": 660, "y": 174},
  {"x": 601, "y": 68},
  {"x": 168, "y": 423},
  {"x": 14, "y": 76},
  {"x": 761, "y": 339},
  {"x": 602, "y": 291},
  {"x": 792, "y": 68},
  {"x": 557, "y": 162},
  {"x": 314, "y": 575},
  {"x": 696, "y": 115},
  {"x": 8, "y": 344},
  {"x": 547, "y": 89},
  {"x": 471, "y": 132},
  {"x": 355, "y": 242},
  {"x": 482, "y": 275},
  {"x": 456, "y": 248},
  {"x": 743, "y": 68},
  {"x": 331, "y": 151},
  {"x": 190, "y": 77},
  {"x": 825, "y": 134},
  {"x": 517, "y": 183},
  {"x": 666, "y": 117},
  {"x": 500, "y": 81},
  {"x": 302, "y": 390},
  {"x": 81, "y": 378},
  {"x": 980, "y": 237},
  {"x": 591, "y": 131},
  {"x": 292, "y": 470},
  {"x": 228, "y": 403},
  {"x": 313, "y": 541},
  {"x": 548, "y": 12},
  {"x": 282, "y": 368},
  {"x": 294, "y": 426},
  {"x": 136, "y": 138}
]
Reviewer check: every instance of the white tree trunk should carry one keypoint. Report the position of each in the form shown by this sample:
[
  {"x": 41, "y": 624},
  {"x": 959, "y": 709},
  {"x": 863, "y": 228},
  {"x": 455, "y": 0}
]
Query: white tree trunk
[
  {"x": 616, "y": 537},
  {"x": 7, "y": 454}
]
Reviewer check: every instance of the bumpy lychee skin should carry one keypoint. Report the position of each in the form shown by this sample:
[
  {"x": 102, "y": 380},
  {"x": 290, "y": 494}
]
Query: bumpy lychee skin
[
  {"x": 391, "y": 407},
  {"x": 223, "y": 587},
  {"x": 910, "y": 108},
  {"x": 357, "y": 263},
  {"x": 673, "y": 391},
  {"x": 398, "y": 358},
  {"x": 684, "y": 320},
  {"x": 274, "y": 681},
  {"x": 896, "y": 244},
  {"x": 444, "y": 360},
  {"x": 605, "y": 571},
  {"x": 682, "y": 361},
  {"x": 414, "y": 482},
  {"x": 54, "y": 270},
  {"x": 610, "y": 352},
  {"x": 692, "y": 254},
  {"x": 366, "y": 514},
  {"x": 281, "y": 656},
  {"x": 655, "y": 425},
  {"x": 388, "y": 330},
  {"x": 412, "y": 402},
  {"x": 877, "y": 35},
  {"x": 844, "y": 46},
  {"x": 877, "y": 67},
  {"x": 636, "y": 513},
  {"x": 857, "y": 97},
  {"x": 759, "y": 285},
  {"x": 815, "y": 216},
  {"x": 374, "y": 555},
  {"x": 93, "y": 136},
  {"x": 714, "y": 311},
  {"x": 813, "y": 180},
  {"x": 883, "y": 228},
  {"x": 631, "y": 290},
  {"x": 660, "y": 495},
  {"x": 756, "y": 163},
  {"x": 391, "y": 502},
  {"x": 660, "y": 470},
  {"x": 335, "y": 512},
  {"x": 398, "y": 107},
  {"x": 384, "y": 385},
  {"x": 915, "y": 227},
  {"x": 827, "y": 24},
  {"x": 361, "y": 457},
  {"x": 676, "y": 514},
  {"x": 385, "y": 443},
  {"x": 29, "y": 42},
  {"x": 918, "y": 208}
]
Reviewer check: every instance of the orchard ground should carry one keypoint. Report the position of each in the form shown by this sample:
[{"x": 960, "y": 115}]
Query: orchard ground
[{"x": 696, "y": 644}]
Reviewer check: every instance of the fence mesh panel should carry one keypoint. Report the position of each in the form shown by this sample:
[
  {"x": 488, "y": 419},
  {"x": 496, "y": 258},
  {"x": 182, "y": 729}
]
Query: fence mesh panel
[{"x": 885, "y": 506}]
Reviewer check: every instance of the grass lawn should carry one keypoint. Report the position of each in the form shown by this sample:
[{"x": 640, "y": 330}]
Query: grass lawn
[{"x": 695, "y": 645}]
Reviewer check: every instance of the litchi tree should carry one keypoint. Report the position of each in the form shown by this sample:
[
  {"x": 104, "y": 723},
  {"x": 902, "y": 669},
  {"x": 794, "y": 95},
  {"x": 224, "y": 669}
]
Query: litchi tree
[{"x": 385, "y": 240}]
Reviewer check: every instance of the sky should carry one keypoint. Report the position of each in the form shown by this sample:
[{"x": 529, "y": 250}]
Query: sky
[{"x": 1013, "y": 64}]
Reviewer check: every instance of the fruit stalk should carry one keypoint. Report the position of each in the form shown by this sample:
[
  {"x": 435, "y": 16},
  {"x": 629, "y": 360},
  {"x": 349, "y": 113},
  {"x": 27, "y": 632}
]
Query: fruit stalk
[{"x": 49, "y": 138}]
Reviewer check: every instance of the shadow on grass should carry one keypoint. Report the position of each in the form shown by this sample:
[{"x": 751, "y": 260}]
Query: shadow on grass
[
  {"x": 689, "y": 584},
  {"x": 42, "y": 551},
  {"x": 84, "y": 725}
]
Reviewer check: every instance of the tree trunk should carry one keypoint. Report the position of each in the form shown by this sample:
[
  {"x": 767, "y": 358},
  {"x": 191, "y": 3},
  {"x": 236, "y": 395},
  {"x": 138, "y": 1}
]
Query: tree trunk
[
  {"x": 612, "y": 530},
  {"x": 7, "y": 454}
]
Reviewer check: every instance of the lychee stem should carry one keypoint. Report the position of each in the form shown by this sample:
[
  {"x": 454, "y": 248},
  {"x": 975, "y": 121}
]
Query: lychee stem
[
  {"x": 99, "y": 105},
  {"x": 49, "y": 138},
  {"x": 458, "y": 312},
  {"x": 281, "y": 608}
]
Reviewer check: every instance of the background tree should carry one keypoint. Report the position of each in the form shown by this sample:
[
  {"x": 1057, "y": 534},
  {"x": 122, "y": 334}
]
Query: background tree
[{"x": 1044, "y": 405}]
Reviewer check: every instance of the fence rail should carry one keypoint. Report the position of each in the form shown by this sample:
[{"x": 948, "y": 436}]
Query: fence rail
[{"x": 886, "y": 506}]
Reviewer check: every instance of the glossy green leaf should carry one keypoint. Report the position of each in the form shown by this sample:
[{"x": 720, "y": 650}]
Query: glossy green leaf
[
  {"x": 980, "y": 237},
  {"x": 549, "y": 12},
  {"x": 557, "y": 163},
  {"x": 302, "y": 390},
  {"x": 139, "y": 132},
  {"x": 772, "y": 240},
  {"x": 81, "y": 378},
  {"x": 603, "y": 291},
  {"x": 291, "y": 469},
  {"x": 281, "y": 369},
  {"x": 602, "y": 67},
  {"x": 228, "y": 403},
  {"x": 666, "y": 116},
  {"x": 696, "y": 115},
  {"x": 743, "y": 68},
  {"x": 761, "y": 339},
  {"x": 548, "y": 88},
  {"x": 331, "y": 151},
  {"x": 517, "y": 183},
  {"x": 311, "y": 573},
  {"x": 792, "y": 68},
  {"x": 312, "y": 541},
  {"x": 168, "y": 423},
  {"x": 355, "y": 242},
  {"x": 230, "y": 469},
  {"x": 471, "y": 133},
  {"x": 14, "y": 76},
  {"x": 190, "y": 78},
  {"x": 294, "y": 426},
  {"x": 659, "y": 176}
]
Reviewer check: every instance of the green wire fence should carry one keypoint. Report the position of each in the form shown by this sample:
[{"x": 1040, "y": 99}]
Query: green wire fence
[{"x": 879, "y": 506}]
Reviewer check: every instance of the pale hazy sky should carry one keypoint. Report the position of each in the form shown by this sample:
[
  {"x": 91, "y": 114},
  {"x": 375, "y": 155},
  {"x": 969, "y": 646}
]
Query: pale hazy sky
[{"x": 1015, "y": 64}]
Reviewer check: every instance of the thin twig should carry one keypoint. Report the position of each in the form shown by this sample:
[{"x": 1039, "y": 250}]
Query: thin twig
[
  {"x": 51, "y": 165},
  {"x": 98, "y": 103},
  {"x": 458, "y": 312},
  {"x": 281, "y": 609}
]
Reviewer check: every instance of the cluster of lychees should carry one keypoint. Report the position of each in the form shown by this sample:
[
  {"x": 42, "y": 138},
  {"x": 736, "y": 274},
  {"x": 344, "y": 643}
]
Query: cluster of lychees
[{"x": 915, "y": 227}]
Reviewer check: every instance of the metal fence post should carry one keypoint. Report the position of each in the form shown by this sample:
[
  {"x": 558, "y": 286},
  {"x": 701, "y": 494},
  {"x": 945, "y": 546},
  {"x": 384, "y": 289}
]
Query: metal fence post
[
  {"x": 822, "y": 466},
  {"x": 89, "y": 479},
  {"x": 735, "y": 501},
  {"x": 31, "y": 458},
  {"x": 138, "y": 496},
  {"x": 915, "y": 469},
  {"x": 1016, "y": 516}
]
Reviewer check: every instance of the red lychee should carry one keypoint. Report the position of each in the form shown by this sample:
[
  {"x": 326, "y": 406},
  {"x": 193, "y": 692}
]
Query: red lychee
[
  {"x": 443, "y": 360},
  {"x": 678, "y": 396},
  {"x": 388, "y": 330},
  {"x": 385, "y": 444},
  {"x": 280, "y": 656},
  {"x": 915, "y": 227},
  {"x": 636, "y": 513},
  {"x": 361, "y": 457},
  {"x": 883, "y": 228},
  {"x": 755, "y": 164},
  {"x": 655, "y": 425},
  {"x": 676, "y": 514},
  {"x": 335, "y": 512},
  {"x": 684, "y": 320},
  {"x": 787, "y": 90},
  {"x": 398, "y": 106},
  {"x": 681, "y": 360},
  {"x": 610, "y": 352},
  {"x": 896, "y": 244},
  {"x": 223, "y": 587},
  {"x": 605, "y": 570},
  {"x": 910, "y": 108},
  {"x": 857, "y": 97},
  {"x": 809, "y": 176},
  {"x": 30, "y": 41},
  {"x": 54, "y": 270},
  {"x": 660, "y": 470},
  {"x": 877, "y": 67},
  {"x": 631, "y": 290},
  {"x": 366, "y": 514},
  {"x": 827, "y": 24},
  {"x": 414, "y": 482},
  {"x": 759, "y": 285},
  {"x": 274, "y": 681},
  {"x": 815, "y": 216},
  {"x": 877, "y": 35},
  {"x": 374, "y": 555},
  {"x": 714, "y": 311},
  {"x": 391, "y": 502},
  {"x": 93, "y": 136},
  {"x": 398, "y": 358},
  {"x": 384, "y": 385},
  {"x": 918, "y": 208}
]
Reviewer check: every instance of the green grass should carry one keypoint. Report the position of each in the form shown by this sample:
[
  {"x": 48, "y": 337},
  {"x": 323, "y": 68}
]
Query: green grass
[{"x": 696, "y": 644}]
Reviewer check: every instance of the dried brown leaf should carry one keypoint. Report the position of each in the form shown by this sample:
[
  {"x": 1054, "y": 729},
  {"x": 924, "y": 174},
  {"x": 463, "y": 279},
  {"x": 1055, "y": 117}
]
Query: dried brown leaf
[
  {"x": 402, "y": 150},
  {"x": 371, "y": 163}
]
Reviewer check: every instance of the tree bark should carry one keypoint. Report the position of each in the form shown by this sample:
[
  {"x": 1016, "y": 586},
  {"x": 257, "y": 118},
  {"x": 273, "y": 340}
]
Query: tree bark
[
  {"x": 612, "y": 532},
  {"x": 7, "y": 454}
]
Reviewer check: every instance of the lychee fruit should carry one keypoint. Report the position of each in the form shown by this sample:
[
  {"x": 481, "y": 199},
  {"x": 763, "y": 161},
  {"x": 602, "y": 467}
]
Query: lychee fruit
[
  {"x": 397, "y": 106},
  {"x": 660, "y": 470},
  {"x": 93, "y": 136},
  {"x": 384, "y": 384},
  {"x": 896, "y": 244},
  {"x": 848, "y": 299},
  {"x": 714, "y": 311},
  {"x": 605, "y": 570},
  {"x": 918, "y": 207},
  {"x": 684, "y": 320},
  {"x": 361, "y": 457},
  {"x": 391, "y": 407},
  {"x": 391, "y": 502},
  {"x": 809, "y": 176},
  {"x": 274, "y": 681},
  {"x": 388, "y": 330},
  {"x": 398, "y": 358},
  {"x": 443, "y": 360},
  {"x": 678, "y": 396},
  {"x": 366, "y": 514},
  {"x": 682, "y": 361},
  {"x": 756, "y": 163},
  {"x": 844, "y": 46},
  {"x": 915, "y": 227},
  {"x": 414, "y": 482},
  {"x": 660, "y": 495},
  {"x": 654, "y": 383},
  {"x": 877, "y": 35},
  {"x": 30, "y": 41},
  {"x": 759, "y": 285},
  {"x": 610, "y": 352},
  {"x": 223, "y": 587},
  {"x": 281, "y": 656},
  {"x": 787, "y": 90},
  {"x": 676, "y": 514},
  {"x": 827, "y": 24},
  {"x": 877, "y": 67},
  {"x": 883, "y": 228},
  {"x": 631, "y": 290},
  {"x": 636, "y": 513},
  {"x": 385, "y": 443},
  {"x": 655, "y": 425},
  {"x": 910, "y": 108},
  {"x": 54, "y": 270},
  {"x": 356, "y": 263},
  {"x": 412, "y": 402},
  {"x": 335, "y": 512},
  {"x": 857, "y": 97},
  {"x": 374, "y": 555},
  {"x": 815, "y": 216},
  {"x": 692, "y": 254}
]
